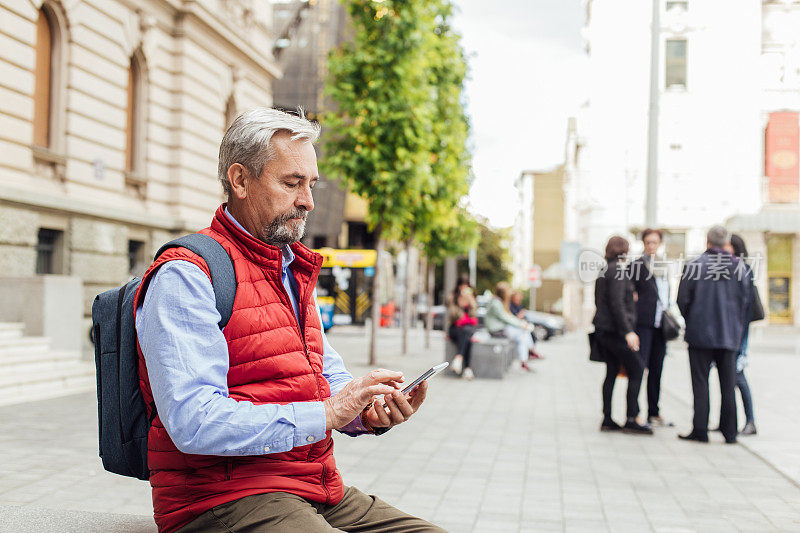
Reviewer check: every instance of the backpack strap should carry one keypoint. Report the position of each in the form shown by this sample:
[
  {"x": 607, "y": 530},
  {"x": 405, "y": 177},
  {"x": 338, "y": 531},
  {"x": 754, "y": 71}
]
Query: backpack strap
[{"x": 220, "y": 264}]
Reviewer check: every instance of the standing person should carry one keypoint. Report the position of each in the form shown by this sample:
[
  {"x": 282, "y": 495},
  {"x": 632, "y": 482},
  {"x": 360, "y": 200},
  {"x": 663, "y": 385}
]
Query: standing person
[
  {"x": 738, "y": 249},
  {"x": 240, "y": 438},
  {"x": 516, "y": 309},
  {"x": 461, "y": 315},
  {"x": 614, "y": 324},
  {"x": 713, "y": 297},
  {"x": 652, "y": 292},
  {"x": 500, "y": 322}
]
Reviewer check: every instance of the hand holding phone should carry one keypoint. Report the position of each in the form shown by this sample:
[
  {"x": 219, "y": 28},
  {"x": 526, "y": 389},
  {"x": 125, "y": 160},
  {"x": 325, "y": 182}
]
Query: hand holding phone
[{"x": 396, "y": 408}]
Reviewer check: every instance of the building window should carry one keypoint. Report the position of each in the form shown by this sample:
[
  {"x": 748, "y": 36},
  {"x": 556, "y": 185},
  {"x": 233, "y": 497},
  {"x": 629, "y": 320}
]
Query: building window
[
  {"x": 680, "y": 5},
  {"x": 42, "y": 76},
  {"x": 136, "y": 260},
  {"x": 49, "y": 251},
  {"x": 49, "y": 88},
  {"x": 676, "y": 63},
  {"x": 674, "y": 244},
  {"x": 135, "y": 135},
  {"x": 319, "y": 241}
]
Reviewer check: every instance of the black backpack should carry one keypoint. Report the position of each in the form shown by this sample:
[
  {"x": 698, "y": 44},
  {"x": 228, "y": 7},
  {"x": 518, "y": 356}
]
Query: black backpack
[{"x": 121, "y": 410}]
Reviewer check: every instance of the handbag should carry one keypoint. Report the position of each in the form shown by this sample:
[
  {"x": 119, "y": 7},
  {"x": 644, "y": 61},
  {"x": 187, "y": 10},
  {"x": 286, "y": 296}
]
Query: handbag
[
  {"x": 757, "y": 311},
  {"x": 669, "y": 326},
  {"x": 595, "y": 353}
]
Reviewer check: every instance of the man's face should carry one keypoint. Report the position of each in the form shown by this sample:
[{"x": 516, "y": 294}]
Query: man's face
[
  {"x": 277, "y": 204},
  {"x": 651, "y": 244}
]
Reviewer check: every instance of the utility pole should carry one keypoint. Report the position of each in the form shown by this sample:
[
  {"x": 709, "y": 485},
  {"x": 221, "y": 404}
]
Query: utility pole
[{"x": 651, "y": 207}]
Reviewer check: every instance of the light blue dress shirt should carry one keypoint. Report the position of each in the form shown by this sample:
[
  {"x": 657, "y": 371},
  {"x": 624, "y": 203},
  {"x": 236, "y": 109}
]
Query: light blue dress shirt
[{"x": 187, "y": 365}]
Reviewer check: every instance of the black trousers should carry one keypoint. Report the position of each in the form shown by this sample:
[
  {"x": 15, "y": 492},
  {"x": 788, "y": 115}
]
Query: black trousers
[
  {"x": 652, "y": 349},
  {"x": 700, "y": 360},
  {"x": 463, "y": 338},
  {"x": 617, "y": 355}
]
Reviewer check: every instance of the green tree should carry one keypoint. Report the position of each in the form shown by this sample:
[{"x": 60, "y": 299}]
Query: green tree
[
  {"x": 438, "y": 221},
  {"x": 398, "y": 135},
  {"x": 492, "y": 258}
]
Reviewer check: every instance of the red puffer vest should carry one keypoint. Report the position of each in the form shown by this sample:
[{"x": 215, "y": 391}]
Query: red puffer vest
[{"x": 271, "y": 361}]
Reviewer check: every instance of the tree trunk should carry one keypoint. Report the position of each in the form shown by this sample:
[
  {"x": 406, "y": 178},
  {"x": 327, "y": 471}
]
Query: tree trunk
[
  {"x": 376, "y": 298},
  {"x": 406, "y": 300},
  {"x": 429, "y": 323}
]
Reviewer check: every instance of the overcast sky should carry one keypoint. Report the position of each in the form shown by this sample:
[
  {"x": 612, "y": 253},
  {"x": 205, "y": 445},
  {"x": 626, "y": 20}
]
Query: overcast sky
[{"x": 527, "y": 76}]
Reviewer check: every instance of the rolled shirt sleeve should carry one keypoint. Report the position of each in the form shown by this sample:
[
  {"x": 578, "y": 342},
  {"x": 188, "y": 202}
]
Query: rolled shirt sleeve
[{"x": 187, "y": 365}]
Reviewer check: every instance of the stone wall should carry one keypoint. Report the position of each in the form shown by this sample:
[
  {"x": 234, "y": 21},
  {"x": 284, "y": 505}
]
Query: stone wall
[{"x": 195, "y": 58}]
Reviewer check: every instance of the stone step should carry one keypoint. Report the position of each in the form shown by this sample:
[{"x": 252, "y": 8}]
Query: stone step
[
  {"x": 11, "y": 330},
  {"x": 19, "y": 388},
  {"x": 23, "y": 345},
  {"x": 20, "y": 364},
  {"x": 75, "y": 369}
]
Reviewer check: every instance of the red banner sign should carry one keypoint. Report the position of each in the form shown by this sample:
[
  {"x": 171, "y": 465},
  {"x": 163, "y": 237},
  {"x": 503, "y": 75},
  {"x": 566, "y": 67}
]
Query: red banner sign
[{"x": 782, "y": 151}]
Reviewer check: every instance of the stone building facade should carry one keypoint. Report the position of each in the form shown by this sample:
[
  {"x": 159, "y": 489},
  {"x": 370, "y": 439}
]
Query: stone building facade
[
  {"x": 728, "y": 136},
  {"x": 111, "y": 114}
]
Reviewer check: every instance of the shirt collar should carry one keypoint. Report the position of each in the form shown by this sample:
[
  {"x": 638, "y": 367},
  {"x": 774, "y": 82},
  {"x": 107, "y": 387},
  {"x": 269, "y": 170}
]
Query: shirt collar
[{"x": 287, "y": 253}]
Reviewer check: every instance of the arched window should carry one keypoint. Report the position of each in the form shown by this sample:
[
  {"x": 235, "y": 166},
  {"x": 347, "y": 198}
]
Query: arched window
[
  {"x": 43, "y": 77},
  {"x": 135, "y": 129},
  {"x": 49, "y": 90}
]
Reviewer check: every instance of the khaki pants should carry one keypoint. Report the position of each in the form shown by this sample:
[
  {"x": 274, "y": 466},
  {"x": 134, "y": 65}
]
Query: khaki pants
[{"x": 277, "y": 512}]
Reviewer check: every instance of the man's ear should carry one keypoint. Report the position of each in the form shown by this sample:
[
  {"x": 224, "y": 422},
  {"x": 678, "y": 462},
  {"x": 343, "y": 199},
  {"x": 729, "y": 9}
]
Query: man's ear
[{"x": 237, "y": 178}]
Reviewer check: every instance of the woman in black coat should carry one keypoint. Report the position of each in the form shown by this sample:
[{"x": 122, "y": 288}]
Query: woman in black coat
[{"x": 614, "y": 324}]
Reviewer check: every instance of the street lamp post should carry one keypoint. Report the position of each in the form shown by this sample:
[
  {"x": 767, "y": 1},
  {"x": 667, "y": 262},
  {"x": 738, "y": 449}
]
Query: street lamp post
[{"x": 651, "y": 206}]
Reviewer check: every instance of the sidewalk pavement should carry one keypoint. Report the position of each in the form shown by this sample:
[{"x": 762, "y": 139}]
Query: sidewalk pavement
[
  {"x": 772, "y": 374},
  {"x": 519, "y": 454}
]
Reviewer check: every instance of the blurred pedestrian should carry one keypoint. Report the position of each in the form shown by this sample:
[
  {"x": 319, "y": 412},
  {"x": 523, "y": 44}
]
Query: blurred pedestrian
[
  {"x": 652, "y": 291},
  {"x": 501, "y": 323},
  {"x": 462, "y": 320},
  {"x": 614, "y": 325},
  {"x": 516, "y": 309},
  {"x": 737, "y": 247},
  {"x": 515, "y": 305},
  {"x": 713, "y": 296}
]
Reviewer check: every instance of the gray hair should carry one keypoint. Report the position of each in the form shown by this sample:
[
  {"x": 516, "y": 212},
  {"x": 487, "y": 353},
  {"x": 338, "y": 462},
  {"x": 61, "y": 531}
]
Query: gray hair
[
  {"x": 247, "y": 140},
  {"x": 717, "y": 236}
]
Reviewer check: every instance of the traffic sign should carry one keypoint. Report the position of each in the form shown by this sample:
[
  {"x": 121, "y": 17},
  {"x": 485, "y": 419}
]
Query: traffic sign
[{"x": 535, "y": 273}]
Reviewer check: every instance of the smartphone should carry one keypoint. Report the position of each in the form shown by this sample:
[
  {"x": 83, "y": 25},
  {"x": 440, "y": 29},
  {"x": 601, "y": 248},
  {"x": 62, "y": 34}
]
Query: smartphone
[{"x": 426, "y": 375}]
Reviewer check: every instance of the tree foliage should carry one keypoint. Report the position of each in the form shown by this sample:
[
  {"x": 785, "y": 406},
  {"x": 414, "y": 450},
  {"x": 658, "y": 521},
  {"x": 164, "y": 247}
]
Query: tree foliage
[
  {"x": 491, "y": 258},
  {"x": 398, "y": 135}
]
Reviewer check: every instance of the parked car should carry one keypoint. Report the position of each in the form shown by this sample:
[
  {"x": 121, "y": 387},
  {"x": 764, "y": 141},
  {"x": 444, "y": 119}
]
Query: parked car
[{"x": 545, "y": 325}]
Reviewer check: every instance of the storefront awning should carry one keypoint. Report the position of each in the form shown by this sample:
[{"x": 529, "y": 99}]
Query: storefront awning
[{"x": 772, "y": 220}]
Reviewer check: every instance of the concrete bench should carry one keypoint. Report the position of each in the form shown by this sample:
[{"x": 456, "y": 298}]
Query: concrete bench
[
  {"x": 29, "y": 519},
  {"x": 490, "y": 357}
]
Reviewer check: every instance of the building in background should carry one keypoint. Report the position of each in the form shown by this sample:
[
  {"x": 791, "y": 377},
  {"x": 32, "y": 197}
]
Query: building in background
[
  {"x": 112, "y": 115},
  {"x": 548, "y": 236},
  {"x": 521, "y": 249},
  {"x": 774, "y": 232},
  {"x": 727, "y": 143},
  {"x": 537, "y": 236}
]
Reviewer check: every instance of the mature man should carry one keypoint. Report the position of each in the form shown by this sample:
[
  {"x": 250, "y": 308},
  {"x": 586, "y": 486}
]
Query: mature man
[
  {"x": 713, "y": 296},
  {"x": 652, "y": 297},
  {"x": 242, "y": 437}
]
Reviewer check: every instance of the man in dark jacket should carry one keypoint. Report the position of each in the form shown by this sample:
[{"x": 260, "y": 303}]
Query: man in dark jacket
[
  {"x": 713, "y": 296},
  {"x": 652, "y": 291}
]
